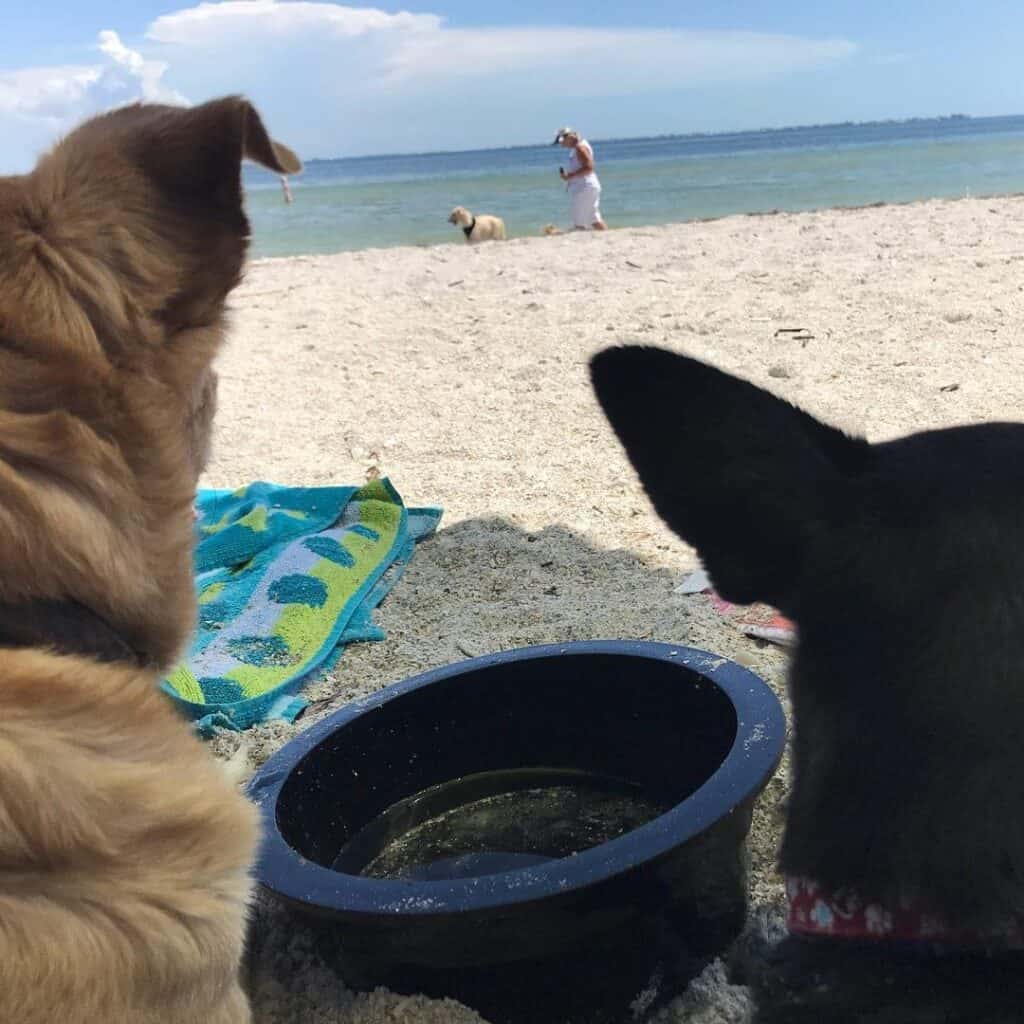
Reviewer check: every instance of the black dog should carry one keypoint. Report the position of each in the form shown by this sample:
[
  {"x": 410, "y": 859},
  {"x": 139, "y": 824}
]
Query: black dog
[{"x": 903, "y": 566}]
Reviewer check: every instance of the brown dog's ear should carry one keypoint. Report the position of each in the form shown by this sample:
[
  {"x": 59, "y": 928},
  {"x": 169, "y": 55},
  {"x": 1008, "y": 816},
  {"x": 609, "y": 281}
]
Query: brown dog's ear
[
  {"x": 259, "y": 146},
  {"x": 169, "y": 182},
  {"x": 198, "y": 151}
]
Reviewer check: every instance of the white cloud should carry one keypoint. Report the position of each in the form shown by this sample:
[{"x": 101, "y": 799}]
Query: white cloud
[
  {"x": 37, "y": 104},
  {"x": 333, "y": 78},
  {"x": 213, "y": 23},
  {"x": 418, "y": 51},
  {"x": 599, "y": 61},
  {"x": 131, "y": 71},
  {"x": 336, "y": 79},
  {"x": 46, "y": 93}
]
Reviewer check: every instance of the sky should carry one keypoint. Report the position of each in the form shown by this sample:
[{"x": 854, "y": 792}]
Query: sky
[{"x": 334, "y": 79}]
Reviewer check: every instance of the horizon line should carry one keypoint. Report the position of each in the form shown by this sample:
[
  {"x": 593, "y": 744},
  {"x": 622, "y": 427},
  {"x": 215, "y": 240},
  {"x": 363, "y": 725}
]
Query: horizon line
[{"x": 677, "y": 135}]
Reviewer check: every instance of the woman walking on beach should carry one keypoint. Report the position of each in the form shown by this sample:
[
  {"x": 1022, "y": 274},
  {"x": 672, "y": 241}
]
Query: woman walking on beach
[{"x": 581, "y": 180}]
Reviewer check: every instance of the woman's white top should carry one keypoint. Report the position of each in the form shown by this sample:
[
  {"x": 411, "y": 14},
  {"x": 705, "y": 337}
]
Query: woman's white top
[{"x": 583, "y": 181}]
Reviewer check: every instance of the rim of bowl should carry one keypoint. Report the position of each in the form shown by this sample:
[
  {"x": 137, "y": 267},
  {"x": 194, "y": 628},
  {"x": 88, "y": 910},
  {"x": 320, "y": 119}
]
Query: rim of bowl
[{"x": 746, "y": 768}]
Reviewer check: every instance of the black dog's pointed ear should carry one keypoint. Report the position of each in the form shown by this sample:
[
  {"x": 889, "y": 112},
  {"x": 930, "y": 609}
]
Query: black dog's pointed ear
[{"x": 746, "y": 478}]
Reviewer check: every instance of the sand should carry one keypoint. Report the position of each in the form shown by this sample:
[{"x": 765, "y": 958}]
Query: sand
[{"x": 461, "y": 373}]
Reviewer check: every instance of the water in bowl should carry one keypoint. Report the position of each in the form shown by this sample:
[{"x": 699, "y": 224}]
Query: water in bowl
[{"x": 494, "y": 822}]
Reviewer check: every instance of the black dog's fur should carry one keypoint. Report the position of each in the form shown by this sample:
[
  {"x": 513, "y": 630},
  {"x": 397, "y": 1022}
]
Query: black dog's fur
[{"x": 903, "y": 566}]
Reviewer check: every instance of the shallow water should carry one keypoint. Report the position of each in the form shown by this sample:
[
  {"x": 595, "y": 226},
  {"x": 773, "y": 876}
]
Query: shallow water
[
  {"x": 493, "y": 822},
  {"x": 364, "y": 202}
]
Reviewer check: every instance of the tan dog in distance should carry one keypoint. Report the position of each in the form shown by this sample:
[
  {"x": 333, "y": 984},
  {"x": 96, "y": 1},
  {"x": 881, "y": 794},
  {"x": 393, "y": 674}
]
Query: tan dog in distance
[
  {"x": 124, "y": 849},
  {"x": 484, "y": 228}
]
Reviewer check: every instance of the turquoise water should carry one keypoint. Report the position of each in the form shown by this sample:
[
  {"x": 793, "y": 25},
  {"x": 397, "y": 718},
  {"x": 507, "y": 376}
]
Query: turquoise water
[{"x": 365, "y": 202}]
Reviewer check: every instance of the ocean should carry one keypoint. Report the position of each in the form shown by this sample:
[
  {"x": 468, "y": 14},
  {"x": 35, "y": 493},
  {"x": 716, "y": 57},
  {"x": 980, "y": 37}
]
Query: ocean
[{"x": 378, "y": 201}]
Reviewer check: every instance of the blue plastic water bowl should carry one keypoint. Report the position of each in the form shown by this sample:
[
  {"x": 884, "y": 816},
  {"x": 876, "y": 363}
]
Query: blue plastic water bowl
[{"x": 569, "y": 814}]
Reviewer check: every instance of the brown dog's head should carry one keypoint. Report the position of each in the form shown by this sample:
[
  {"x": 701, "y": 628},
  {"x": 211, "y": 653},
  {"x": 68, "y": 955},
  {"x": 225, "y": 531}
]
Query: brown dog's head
[
  {"x": 131, "y": 228},
  {"x": 117, "y": 253}
]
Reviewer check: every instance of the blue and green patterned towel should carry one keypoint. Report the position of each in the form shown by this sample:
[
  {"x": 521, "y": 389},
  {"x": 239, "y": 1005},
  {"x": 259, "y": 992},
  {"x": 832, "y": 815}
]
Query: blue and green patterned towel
[{"x": 286, "y": 577}]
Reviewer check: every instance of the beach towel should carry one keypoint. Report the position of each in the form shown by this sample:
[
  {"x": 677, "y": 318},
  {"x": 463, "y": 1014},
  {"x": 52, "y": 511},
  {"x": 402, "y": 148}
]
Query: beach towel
[{"x": 286, "y": 577}]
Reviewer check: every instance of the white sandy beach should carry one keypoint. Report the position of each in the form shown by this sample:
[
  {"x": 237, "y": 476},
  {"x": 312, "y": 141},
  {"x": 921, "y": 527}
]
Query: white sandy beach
[{"x": 460, "y": 373}]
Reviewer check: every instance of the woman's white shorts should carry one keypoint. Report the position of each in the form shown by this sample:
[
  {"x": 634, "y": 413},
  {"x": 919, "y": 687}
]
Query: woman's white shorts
[{"x": 586, "y": 208}]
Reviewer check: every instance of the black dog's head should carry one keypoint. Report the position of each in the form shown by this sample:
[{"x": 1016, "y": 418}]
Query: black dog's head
[{"x": 903, "y": 566}]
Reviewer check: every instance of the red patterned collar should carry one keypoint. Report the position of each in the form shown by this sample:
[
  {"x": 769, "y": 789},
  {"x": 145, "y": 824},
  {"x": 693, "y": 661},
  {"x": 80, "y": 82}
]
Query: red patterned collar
[{"x": 845, "y": 914}]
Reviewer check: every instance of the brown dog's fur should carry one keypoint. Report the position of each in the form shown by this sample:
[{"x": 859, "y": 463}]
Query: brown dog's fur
[{"x": 124, "y": 850}]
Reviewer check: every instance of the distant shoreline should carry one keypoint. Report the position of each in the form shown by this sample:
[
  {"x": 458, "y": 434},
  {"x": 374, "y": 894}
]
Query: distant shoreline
[
  {"x": 389, "y": 201},
  {"x": 725, "y": 133}
]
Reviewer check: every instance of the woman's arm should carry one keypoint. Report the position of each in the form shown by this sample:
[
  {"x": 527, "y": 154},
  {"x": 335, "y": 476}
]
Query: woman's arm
[{"x": 586, "y": 158}]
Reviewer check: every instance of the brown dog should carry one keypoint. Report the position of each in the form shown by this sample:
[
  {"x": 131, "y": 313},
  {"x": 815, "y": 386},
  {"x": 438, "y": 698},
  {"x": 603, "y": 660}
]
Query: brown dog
[{"x": 124, "y": 849}]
